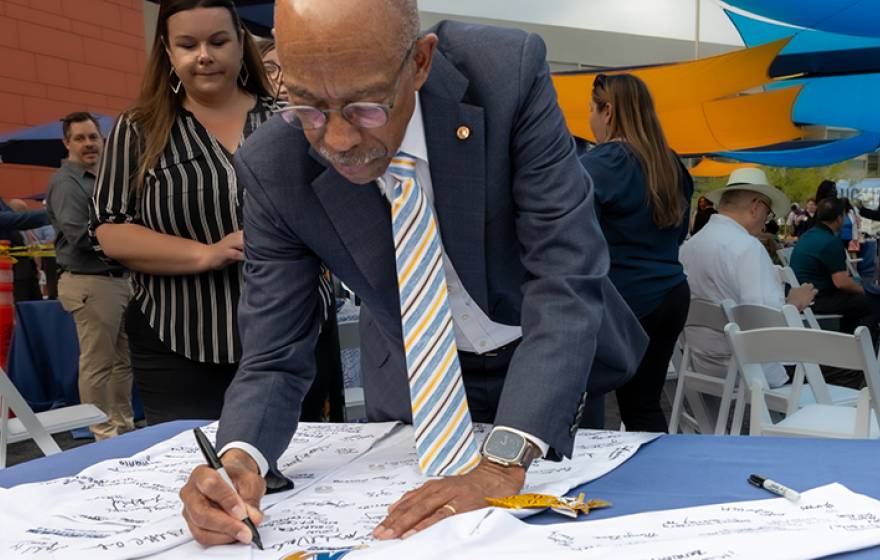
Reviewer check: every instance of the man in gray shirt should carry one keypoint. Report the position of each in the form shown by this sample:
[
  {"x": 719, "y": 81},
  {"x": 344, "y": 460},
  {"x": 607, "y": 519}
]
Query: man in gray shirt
[{"x": 95, "y": 292}]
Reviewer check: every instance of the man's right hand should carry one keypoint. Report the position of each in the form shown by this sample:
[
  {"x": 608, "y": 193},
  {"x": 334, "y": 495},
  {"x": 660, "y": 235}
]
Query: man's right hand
[
  {"x": 802, "y": 296},
  {"x": 213, "y": 511}
]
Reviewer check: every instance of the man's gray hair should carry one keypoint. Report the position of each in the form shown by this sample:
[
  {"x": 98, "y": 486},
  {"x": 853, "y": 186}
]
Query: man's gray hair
[
  {"x": 410, "y": 26},
  {"x": 736, "y": 199}
]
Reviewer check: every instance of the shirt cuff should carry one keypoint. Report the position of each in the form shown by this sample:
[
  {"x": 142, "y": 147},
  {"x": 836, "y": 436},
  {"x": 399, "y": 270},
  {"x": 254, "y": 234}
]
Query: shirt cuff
[
  {"x": 540, "y": 443},
  {"x": 255, "y": 454}
]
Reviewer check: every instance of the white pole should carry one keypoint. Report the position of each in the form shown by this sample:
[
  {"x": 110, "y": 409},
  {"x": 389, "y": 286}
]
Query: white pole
[{"x": 697, "y": 31}]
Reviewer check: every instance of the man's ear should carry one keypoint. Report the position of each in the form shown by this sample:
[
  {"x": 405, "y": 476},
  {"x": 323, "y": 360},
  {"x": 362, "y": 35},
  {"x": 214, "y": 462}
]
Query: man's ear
[{"x": 423, "y": 55}]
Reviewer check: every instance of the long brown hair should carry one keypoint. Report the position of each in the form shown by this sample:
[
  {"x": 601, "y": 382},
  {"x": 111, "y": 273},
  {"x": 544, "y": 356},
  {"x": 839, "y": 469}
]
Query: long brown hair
[
  {"x": 157, "y": 106},
  {"x": 634, "y": 120}
]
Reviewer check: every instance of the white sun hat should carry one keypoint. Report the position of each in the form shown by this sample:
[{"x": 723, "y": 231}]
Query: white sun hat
[{"x": 753, "y": 179}]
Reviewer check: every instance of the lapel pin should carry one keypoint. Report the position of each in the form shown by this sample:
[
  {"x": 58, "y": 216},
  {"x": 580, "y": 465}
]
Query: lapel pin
[{"x": 463, "y": 133}]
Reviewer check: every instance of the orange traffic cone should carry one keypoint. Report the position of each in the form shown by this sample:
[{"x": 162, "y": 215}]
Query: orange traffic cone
[{"x": 7, "y": 309}]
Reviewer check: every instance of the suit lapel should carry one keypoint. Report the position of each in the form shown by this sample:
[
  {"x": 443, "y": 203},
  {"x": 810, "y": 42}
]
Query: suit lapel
[
  {"x": 458, "y": 173},
  {"x": 362, "y": 220}
]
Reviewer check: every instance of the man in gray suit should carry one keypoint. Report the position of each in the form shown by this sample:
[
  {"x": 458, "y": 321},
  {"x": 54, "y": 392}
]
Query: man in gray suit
[{"x": 524, "y": 259}]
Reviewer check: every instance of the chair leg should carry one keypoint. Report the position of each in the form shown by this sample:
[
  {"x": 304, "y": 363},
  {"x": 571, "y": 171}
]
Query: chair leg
[
  {"x": 726, "y": 397},
  {"x": 863, "y": 415},
  {"x": 755, "y": 421},
  {"x": 677, "y": 404},
  {"x": 739, "y": 408},
  {"x": 4, "y": 429}
]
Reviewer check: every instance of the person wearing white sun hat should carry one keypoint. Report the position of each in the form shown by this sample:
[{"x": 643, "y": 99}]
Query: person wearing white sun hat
[{"x": 725, "y": 260}]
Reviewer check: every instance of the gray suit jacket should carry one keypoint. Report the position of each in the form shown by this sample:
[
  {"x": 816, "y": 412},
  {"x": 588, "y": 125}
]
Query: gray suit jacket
[{"x": 516, "y": 217}]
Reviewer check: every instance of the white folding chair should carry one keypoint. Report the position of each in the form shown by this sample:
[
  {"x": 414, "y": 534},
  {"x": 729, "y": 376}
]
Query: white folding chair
[
  {"x": 784, "y": 255},
  {"x": 809, "y": 347},
  {"x": 39, "y": 426},
  {"x": 355, "y": 405},
  {"x": 788, "y": 278},
  {"x": 794, "y": 395},
  {"x": 691, "y": 383}
]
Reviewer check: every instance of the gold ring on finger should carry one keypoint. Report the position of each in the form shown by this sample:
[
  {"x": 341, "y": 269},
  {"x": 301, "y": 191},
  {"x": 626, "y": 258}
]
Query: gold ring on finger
[{"x": 451, "y": 509}]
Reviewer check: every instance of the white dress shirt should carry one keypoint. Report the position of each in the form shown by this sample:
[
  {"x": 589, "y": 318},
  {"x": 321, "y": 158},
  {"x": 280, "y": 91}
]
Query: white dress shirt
[
  {"x": 474, "y": 331},
  {"x": 723, "y": 261}
]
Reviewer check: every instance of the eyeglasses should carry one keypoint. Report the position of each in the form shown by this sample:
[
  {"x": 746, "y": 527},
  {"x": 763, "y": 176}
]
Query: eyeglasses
[
  {"x": 362, "y": 114},
  {"x": 273, "y": 70},
  {"x": 770, "y": 214}
]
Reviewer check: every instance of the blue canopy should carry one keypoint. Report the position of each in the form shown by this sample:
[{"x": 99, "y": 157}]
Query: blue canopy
[
  {"x": 849, "y": 17},
  {"x": 809, "y": 51},
  {"x": 51, "y": 131},
  {"x": 41, "y": 144},
  {"x": 812, "y": 156}
]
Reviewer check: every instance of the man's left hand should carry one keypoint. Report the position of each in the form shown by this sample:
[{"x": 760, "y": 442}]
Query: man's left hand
[{"x": 441, "y": 498}]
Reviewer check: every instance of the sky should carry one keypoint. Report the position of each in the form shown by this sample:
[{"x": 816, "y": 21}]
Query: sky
[{"x": 672, "y": 19}]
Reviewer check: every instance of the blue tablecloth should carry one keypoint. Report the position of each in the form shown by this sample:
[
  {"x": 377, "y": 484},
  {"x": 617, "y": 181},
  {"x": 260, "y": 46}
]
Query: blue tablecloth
[
  {"x": 672, "y": 472},
  {"x": 44, "y": 357}
]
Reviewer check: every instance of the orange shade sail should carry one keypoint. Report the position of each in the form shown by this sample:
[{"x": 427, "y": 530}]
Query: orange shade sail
[
  {"x": 708, "y": 167},
  {"x": 689, "y": 100},
  {"x": 737, "y": 123}
]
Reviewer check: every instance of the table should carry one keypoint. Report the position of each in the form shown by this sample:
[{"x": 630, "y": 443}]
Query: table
[
  {"x": 674, "y": 471},
  {"x": 44, "y": 357}
]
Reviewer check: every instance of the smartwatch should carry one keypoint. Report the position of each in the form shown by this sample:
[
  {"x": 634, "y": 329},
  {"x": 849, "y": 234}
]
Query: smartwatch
[{"x": 509, "y": 449}]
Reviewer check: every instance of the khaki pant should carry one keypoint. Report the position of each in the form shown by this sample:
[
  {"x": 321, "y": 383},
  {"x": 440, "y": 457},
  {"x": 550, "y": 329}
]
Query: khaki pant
[{"x": 97, "y": 304}]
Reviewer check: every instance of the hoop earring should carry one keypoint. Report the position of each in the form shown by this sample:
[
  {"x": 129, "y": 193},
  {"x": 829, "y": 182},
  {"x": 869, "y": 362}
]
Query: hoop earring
[
  {"x": 175, "y": 87},
  {"x": 243, "y": 75}
]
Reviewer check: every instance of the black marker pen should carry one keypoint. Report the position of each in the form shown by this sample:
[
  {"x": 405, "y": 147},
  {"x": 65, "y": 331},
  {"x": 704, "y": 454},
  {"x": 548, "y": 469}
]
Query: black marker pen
[
  {"x": 214, "y": 463},
  {"x": 775, "y": 487}
]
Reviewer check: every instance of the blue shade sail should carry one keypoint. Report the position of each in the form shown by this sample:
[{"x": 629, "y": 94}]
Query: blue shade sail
[
  {"x": 757, "y": 32},
  {"x": 849, "y": 17},
  {"x": 812, "y": 156},
  {"x": 810, "y": 52},
  {"x": 842, "y": 101}
]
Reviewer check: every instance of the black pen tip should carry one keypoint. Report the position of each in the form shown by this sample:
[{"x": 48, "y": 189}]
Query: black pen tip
[{"x": 256, "y": 540}]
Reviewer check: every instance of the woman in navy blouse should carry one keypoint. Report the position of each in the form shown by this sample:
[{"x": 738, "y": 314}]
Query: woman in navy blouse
[{"x": 643, "y": 195}]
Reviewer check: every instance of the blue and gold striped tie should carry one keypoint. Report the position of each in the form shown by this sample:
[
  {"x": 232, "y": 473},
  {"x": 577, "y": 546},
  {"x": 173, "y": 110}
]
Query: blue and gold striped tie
[{"x": 444, "y": 433}]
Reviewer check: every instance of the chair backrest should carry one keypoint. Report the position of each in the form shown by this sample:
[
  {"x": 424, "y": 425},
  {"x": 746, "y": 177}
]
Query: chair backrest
[
  {"x": 753, "y": 316},
  {"x": 707, "y": 314},
  {"x": 784, "y": 255},
  {"x": 788, "y": 277},
  {"x": 808, "y": 346}
]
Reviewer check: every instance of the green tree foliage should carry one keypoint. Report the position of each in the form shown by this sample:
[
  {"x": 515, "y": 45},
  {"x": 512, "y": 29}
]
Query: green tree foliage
[{"x": 798, "y": 184}]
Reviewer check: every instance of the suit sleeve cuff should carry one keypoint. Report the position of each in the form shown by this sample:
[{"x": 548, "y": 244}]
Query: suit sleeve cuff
[
  {"x": 540, "y": 443},
  {"x": 255, "y": 454}
]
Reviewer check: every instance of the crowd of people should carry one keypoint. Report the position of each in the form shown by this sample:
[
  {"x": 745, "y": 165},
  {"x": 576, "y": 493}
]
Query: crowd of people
[{"x": 504, "y": 277}]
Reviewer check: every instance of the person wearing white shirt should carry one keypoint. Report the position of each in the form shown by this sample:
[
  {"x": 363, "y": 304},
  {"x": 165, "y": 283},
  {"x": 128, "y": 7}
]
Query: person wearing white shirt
[{"x": 725, "y": 260}]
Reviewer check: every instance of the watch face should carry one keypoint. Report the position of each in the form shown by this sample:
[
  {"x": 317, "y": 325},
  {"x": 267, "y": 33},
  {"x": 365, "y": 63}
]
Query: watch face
[{"x": 504, "y": 445}]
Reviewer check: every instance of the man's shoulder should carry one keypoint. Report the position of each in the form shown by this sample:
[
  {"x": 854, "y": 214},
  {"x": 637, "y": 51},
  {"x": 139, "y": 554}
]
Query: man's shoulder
[
  {"x": 455, "y": 35},
  {"x": 487, "y": 53},
  {"x": 721, "y": 234},
  {"x": 62, "y": 176},
  {"x": 275, "y": 146},
  {"x": 815, "y": 239}
]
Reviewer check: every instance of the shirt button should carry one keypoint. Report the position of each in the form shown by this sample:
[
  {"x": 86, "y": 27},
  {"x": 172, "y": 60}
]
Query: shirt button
[
  {"x": 482, "y": 344},
  {"x": 465, "y": 317}
]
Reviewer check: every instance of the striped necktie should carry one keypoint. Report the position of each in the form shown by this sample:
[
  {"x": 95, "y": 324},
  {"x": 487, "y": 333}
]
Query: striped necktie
[{"x": 444, "y": 433}]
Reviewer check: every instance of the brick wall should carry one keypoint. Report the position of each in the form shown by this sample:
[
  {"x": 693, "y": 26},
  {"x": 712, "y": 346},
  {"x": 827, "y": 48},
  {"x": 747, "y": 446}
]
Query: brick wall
[{"x": 58, "y": 56}]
